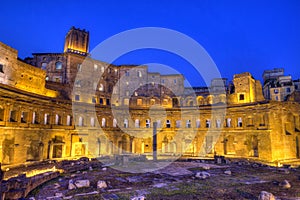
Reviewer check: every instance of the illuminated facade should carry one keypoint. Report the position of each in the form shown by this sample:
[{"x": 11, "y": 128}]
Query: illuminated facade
[
  {"x": 277, "y": 86},
  {"x": 52, "y": 119}
]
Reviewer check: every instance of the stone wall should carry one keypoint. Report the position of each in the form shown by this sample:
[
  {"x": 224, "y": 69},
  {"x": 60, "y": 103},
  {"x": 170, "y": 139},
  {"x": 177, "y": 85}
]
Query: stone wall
[{"x": 17, "y": 73}]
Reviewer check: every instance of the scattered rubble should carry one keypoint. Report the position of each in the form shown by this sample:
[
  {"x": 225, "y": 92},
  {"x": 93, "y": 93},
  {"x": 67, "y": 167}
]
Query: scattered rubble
[
  {"x": 266, "y": 196},
  {"x": 71, "y": 185},
  {"x": 101, "y": 184},
  {"x": 179, "y": 180},
  {"x": 82, "y": 183},
  {"x": 285, "y": 184},
  {"x": 202, "y": 175}
]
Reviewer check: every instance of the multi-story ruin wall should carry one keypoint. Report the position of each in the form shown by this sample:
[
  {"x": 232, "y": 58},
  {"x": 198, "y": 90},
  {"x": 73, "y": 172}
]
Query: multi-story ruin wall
[{"x": 77, "y": 106}]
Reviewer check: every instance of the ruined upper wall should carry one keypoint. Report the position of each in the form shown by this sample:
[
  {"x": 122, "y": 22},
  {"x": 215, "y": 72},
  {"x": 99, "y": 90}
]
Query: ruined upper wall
[
  {"x": 246, "y": 89},
  {"x": 18, "y": 74}
]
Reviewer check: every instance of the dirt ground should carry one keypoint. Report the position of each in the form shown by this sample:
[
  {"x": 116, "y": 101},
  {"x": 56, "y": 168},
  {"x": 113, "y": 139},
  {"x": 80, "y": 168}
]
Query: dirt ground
[{"x": 177, "y": 181}]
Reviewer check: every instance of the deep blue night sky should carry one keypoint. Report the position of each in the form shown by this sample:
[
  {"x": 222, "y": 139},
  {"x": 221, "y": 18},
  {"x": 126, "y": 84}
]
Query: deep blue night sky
[{"x": 239, "y": 35}]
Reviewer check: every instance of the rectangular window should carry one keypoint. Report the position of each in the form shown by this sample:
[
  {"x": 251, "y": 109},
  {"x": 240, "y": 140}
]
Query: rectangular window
[
  {"x": 240, "y": 122},
  {"x": 168, "y": 123},
  {"x": 250, "y": 121},
  {"x": 33, "y": 117},
  {"x": 94, "y": 100},
  {"x": 242, "y": 97},
  {"x": 46, "y": 119},
  {"x": 152, "y": 101},
  {"x": 107, "y": 102},
  {"x": 1, "y": 68},
  {"x": 69, "y": 120},
  {"x": 139, "y": 74},
  {"x": 188, "y": 123},
  {"x": 13, "y": 116},
  {"x": 207, "y": 123},
  {"x": 58, "y": 65},
  {"x": 218, "y": 123},
  {"x": 79, "y": 67},
  {"x": 127, "y": 73},
  {"x": 77, "y": 97},
  {"x": 57, "y": 119},
  {"x": 101, "y": 101},
  {"x": 126, "y": 102},
  {"x": 24, "y": 117},
  {"x": 147, "y": 123},
  {"x": 228, "y": 122},
  {"x": 139, "y": 102},
  {"x": 288, "y": 90},
  {"x": 57, "y": 79}
]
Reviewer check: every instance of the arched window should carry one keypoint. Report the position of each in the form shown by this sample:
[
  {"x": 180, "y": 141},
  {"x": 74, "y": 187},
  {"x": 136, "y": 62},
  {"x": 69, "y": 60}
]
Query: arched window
[
  {"x": 208, "y": 123},
  {"x": 103, "y": 122},
  {"x": 114, "y": 123},
  {"x": 44, "y": 66},
  {"x": 178, "y": 123},
  {"x": 228, "y": 122},
  {"x": 47, "y": 119},
  {"x": 58, "y": 65},
  {"x": 147, "y": 123},
  {"x": 57, "y": 119},
  {"x": 188, "y": 123},
  {"x": 168, "y": 123},
  {"x": 69, "y": 120},
  {"x": 33, "y": 117},
  {"x": 80, "y": 121},
  {"x": 198, "y": 123},
  {"x": 101, "y": 87},
  {"x": 92, "y": 121},
  {"x": 125, "y": 123},
  {"x": 240, "y": 122},
  {"x": 218, "y": 123}
]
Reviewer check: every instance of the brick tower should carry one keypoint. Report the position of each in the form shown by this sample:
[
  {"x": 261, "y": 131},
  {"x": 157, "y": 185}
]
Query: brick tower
[{"x": 77, "y": 41}]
